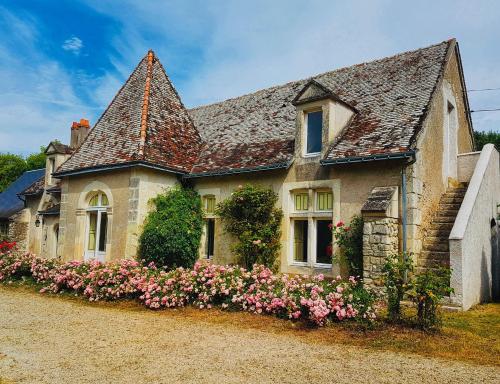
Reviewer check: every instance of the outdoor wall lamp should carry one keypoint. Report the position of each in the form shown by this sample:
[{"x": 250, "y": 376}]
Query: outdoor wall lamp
[{"x": 37, "y": 221}]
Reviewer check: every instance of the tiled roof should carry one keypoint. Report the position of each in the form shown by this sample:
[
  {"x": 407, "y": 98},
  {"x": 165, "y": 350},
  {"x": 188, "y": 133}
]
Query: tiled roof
[
  {"x": 391, "y": 96},
  {"x": 145, "y": 122},
  {"x": 54, "y": 210},
  {"x": 9, "y": 200},
  {"x": 61, "y": 148},
  {"x": 36, "y": 187}
]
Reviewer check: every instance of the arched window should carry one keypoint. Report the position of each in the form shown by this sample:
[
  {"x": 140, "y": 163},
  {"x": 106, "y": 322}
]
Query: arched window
[{"x": 97, "y": 226}]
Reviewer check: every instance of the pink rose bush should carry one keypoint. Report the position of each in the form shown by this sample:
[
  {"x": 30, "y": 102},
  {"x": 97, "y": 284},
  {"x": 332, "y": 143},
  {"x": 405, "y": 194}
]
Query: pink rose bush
[{"x": 315, "y": 299}]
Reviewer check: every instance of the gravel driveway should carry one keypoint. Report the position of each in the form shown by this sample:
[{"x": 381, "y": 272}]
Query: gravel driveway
[{"x": 51, "y": 340}]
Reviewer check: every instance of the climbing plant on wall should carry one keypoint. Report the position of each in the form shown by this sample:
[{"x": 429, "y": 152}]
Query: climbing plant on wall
[{"x": 250, "y": 214}]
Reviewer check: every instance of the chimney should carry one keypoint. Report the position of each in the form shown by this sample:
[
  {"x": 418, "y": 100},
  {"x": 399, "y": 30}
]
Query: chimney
[{"x": 79, "y": 132}]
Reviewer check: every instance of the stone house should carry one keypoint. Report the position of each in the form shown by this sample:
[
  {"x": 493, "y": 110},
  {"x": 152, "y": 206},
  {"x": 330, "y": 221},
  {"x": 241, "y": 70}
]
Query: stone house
[{"x": 389, "y": 139}]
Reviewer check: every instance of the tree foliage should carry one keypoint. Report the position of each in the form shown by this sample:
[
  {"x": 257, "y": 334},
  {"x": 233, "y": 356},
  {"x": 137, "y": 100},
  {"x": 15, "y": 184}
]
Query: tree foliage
[
  {"x": 250, "y": 214},
  {"x": 482, "y": 138},
  {"x": 12, "y": 166},
  {"x": 172, "y": 230}
]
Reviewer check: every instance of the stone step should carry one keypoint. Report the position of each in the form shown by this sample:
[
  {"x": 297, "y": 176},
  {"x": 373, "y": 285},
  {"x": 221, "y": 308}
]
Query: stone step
[
  {"x": 434, "y": 255},
  {"x": 433, "y": 266},
  {"x": 456, "y": 193},
  {"x": 438, "y": 232},
  {"x": 451, "y": 199},
  {"x": 443, "y": 218},
  {"x": 447, "y": 211},
  {"x": 452, "y": 209},
  {"x": 441, "y": 246},
  {"x": 441, "y": 226}
]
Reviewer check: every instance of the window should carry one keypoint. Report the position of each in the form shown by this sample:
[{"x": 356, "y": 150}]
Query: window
[
  {"x": 97, "y": 226},
  {"x": 311, "y": 235},
  {"x": 300, "y": 238},
  {"x": 324, "y": 201},
  {"x": 209, "y": 204},
  {"x": 301, "y": 201},
  {"x": 209, "y": 238},
  {"x": 314, "y": 132},
  {"x": 323, "y": 242}
]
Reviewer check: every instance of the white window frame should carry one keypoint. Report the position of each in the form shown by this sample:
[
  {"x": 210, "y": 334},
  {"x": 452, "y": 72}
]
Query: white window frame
[
  {"x": 100, "y": 209},
  {"x": 312, "y": 215},
  {"x": 306, "y": 129}
]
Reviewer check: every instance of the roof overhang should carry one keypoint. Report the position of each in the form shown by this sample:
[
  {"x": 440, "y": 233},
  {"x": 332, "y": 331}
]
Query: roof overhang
[
  {"x": 282, "y": 165},
  {"x": 114, "y": 167},
  {"x": 366, "y": 159}
]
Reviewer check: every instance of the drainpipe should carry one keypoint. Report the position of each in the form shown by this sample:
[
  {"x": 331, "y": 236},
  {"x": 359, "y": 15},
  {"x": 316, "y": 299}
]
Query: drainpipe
[{"x": 404, "y": 204}]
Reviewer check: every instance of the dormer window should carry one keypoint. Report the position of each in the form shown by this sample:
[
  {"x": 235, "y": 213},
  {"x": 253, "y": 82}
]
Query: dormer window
[{"x": 314, "y": 132}]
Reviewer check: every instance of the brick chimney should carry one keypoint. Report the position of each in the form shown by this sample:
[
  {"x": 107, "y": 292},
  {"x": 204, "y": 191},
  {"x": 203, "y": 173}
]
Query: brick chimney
[{"x": 79, "y": 131}]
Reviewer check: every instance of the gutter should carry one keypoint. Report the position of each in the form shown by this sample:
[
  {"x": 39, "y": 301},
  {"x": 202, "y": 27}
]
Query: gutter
[
  {"x": 282, "y": 165},
  {"x": 103, "y": 168},
  {"x": 365, "y": 159}
]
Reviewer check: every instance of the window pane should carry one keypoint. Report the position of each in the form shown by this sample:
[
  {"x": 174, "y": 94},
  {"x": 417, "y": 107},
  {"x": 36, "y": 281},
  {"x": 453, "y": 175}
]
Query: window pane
[
  {"x": 104, "y": 200},
  {"x": 314, "y": 129},
  {"x": 300, "y": 231},
  {"x": 92, "y": 231},
  {"x": 301, "y": 201},
  {"x": 323, "y": 242},
  {"x": 93, "y": 201},
  {"x": 210, "y": 238},
  {"x": 103, "y": 231},
  {"x": 325, "y": 201},
  {"x": 209, "y": 204}
]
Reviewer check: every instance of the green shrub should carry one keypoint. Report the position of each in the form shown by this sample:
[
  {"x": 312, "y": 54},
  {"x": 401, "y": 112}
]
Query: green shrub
[
  {"x": 427, "y": 290},
  {"x": 172, "y": 230},
  {"x": 482, "y": 138},
  {"x": 396, "y": 276},
  {"x": 250, "y": 214},
  {"x": 349, "y": 238}
]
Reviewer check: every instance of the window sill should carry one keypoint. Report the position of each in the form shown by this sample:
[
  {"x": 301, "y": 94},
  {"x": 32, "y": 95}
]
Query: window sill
[
  {"x": 309, "y": 155},
  {"x": 323, "y": 266},
  {"x": 299, "y": 264}
]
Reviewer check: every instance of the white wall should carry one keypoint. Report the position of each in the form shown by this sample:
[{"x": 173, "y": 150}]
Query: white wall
[{"x": 472, "y": 237}]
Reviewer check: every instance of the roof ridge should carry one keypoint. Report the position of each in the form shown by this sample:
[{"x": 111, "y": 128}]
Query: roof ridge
[
  {"x": 145, "y": 103},
  {"x": 312, "y": 77}
]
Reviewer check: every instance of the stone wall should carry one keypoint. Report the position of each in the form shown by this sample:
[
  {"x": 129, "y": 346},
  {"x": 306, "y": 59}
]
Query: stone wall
[
  {"x": 18, "y": 230},
  {"x": 380, "y": 239}
]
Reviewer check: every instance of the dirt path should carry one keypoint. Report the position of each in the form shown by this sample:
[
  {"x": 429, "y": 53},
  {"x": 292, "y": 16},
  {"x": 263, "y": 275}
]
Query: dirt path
[{"x": 50, "y": 340}]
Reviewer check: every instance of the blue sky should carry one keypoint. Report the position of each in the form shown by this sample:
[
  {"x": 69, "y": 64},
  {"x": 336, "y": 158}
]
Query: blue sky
[{"x": 64, "y": 60}]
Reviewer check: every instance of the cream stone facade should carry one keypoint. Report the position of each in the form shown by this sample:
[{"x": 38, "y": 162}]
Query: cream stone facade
[{"x": 336, "y": 138}]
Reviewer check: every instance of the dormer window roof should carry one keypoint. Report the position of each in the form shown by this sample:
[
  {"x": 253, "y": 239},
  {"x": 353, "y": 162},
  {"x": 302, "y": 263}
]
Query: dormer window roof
[{"x": 315, "y": 91}]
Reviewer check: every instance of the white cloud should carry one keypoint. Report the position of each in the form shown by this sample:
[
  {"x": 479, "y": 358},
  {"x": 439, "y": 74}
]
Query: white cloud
[
  {"x": 73, "y": 44},
  {"x": 38, "y": 100}
]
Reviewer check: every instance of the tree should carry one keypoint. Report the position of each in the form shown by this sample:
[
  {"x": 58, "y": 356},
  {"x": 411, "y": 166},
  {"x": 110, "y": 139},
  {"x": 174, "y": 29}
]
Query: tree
[
  {"x": 172, "y": 230},
  {"x": 12, "y": 166},
  {"x": 36, "y": 160},
  {"x": 251, "y": 215},
  {"x": 482, "y": 138}
]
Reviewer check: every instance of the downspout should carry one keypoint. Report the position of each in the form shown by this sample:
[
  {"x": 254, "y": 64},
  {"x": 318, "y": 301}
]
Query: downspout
[{"x": 404, "y": 205}]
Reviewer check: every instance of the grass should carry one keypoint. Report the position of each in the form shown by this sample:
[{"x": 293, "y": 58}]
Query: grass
[{"x": 472, "y": 336}]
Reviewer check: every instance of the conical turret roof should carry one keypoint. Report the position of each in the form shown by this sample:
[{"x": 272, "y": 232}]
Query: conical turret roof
[{"x": 145, "y": 123}]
